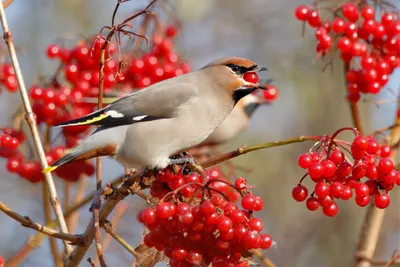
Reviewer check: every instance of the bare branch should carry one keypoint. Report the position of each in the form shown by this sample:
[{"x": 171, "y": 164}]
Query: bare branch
[
  {"x": 27, "y": 222},
  {"x": 31, "y": 121}
]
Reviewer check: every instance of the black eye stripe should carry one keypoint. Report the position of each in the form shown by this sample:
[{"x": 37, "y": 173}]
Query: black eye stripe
[{"x": 240, "y": 69}]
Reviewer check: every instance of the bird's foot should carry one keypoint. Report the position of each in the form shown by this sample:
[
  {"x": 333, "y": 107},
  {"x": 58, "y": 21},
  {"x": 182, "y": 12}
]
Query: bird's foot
[{"x": 182, "y": 161}]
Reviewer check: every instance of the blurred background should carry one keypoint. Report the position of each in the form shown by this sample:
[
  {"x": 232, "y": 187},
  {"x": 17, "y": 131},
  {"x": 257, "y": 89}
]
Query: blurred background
[{"x": 311, "y": 102}]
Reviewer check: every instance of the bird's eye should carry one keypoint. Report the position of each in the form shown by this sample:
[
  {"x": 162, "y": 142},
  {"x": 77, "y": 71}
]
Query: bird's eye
[{"x": 234, "y": 68}]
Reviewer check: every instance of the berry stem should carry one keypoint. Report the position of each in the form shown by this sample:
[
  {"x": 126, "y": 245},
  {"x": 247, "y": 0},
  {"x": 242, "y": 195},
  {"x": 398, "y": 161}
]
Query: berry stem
[
  {"x": 31, "y": 121},
  {"x": 246, "y": 149},
  {"x": 267, "y": 262}
]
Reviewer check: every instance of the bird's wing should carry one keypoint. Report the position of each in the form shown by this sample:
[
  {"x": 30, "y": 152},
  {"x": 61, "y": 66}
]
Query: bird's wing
[{"x": 156, "y": 102}]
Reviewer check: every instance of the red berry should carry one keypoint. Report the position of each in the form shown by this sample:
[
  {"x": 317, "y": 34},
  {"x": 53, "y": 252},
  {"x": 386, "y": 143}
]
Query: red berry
[
  {"x": 368, "y": 12},
  {"x": 299, "y": 193},
  {"x": 164, "y": 210},
  {"x": 255, "y": 224},
  {"x": 338, "y": 25},
  {"x": 373, "y": 146},
  {"x": 240, "y": 183},
  {"x": 361, "y": 190},
  {"x": 337, "y": 156},
  {"x": 346, "y": 193},
  {"x": 248, "y": 202},
  {"x": 304, "y": 161},
  {"x": 362, "y": 201},
  {"x": 258, "y": 204},
  {"x": 316, "y": 171},
  {"x": 336, "y": 189},
  {"x": 265, "y": 241},
  {"x": 371, "y": 172},
  {"x": 313, "y": 18},
  {"x": 385, "y": 165},
  {"x": 194, "y": 256},
  {"x": 361, "y": 142},
  {"x": 321, "y": 190},
  {"x": 344, "y": 44},
  {"x": 329, "y": 168},
  {"x": 207, "y": 208},
  {"x": 224, "y": 224},
  {"x": 331, "y": 210},
  {"x": 350, "y": 11},
  {"x": 148, "y": 216},
  {"x": 251, "y": 240},
  {"x": 385, "y": 151},
  {"x": 312, "y": 203},
  {"x": 301, "y": 12},
  {"x": 53, "y": 51},
  {"x": 179, "y": 253},
  {"x": 251, "y": 77},
  {"x": 271, "y": 93},
  {"x": 382, "y": 201}
]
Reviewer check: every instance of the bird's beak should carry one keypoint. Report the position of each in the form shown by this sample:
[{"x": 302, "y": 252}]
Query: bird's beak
[{"x": 260, "y": 68}]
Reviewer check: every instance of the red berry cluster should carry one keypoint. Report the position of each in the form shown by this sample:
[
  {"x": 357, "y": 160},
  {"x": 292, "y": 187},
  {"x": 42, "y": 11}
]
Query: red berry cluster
[
  {"x": 370, "y": 46},
  {"x": 2, "y": 262},
  {"x": 168, "y": 181},
  {"x": 372, "y": 174},
  {"x": 8, "y": 78},
  {"x": 204, "y": 226}
]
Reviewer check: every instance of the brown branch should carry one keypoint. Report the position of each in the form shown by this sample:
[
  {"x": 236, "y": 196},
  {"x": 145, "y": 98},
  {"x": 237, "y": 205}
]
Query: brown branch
[
  {"x": 31, "y": 121},
  {"x": 119, "y": 212},
  {"x": 267, "y": 262},
  {"x": 119, "y": 194},
  {"x": 34, "y": 242},
  {"x": 119, "y": 239},
  {"x": 246, "y": 149},
  {"x": 47, "y": 219},
  {"x": 394, "y": 259},
  {"x": 373, "y": 220},
  {"x": 27, "y": 222},
  {"x": 6, "y": 3}
]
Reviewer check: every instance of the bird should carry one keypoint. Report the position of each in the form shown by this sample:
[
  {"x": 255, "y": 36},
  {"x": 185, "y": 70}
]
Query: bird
[{"x": 144, "y": 129}]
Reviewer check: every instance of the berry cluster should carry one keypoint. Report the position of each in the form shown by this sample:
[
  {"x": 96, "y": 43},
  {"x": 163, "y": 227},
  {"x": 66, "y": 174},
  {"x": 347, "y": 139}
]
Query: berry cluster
[
  {"x": 369, "y": 43},
  {"x": 201, "y": 225},
  {"x": 8, "y": 78},
  {"x": 370, "y": 175}
]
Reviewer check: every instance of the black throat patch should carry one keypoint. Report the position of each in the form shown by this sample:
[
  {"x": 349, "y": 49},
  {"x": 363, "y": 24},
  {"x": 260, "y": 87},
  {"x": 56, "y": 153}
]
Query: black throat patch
[{"x": 240, "y": 93}]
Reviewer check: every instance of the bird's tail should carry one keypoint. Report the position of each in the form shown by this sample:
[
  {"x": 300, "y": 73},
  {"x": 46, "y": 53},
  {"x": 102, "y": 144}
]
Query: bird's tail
[
  {"x": 93, "y": 118},
  {"x": 63, "y": 160}
]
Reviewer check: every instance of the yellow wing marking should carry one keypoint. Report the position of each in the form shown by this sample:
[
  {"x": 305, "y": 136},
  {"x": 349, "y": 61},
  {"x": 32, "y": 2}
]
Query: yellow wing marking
[
  {"x": 49, "y": 169},
  {"x": 99, "y": 118}
]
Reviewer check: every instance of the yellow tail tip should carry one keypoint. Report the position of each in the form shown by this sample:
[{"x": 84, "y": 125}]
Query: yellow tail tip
[{"x": 49, "y": 169}]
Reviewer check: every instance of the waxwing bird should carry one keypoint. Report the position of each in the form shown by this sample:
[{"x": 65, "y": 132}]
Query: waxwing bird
[{"x": 145, "y": 128}]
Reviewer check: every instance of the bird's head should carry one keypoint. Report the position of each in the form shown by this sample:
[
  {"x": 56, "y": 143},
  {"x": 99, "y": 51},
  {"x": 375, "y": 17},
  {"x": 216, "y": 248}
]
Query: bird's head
[{"x": 228, "y": 74}]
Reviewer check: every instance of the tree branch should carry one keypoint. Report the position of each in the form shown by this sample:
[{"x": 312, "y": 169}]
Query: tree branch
[
  {"x": 27, "y": 222},
  {"x": 246, "y": 149},
  {"x": 267, "y": 262},
  {"x": 119, "y": 239},
  {"x": 31, "y": 121}
]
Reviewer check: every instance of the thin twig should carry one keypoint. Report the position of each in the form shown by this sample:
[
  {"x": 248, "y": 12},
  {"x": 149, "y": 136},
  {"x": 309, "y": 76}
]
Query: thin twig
[
  {"x": 119, "y": 212},
  {"x": 35, "y": 241},
  {"x": 394, "y": 259},
  {"x": 267, "y": 262},
  {"x": 27, "y": 222},
  {"x": 30, "y": 118},
  {"x": 369, "y": 234},
  {"x": 120, "y": 240},
  {"x": 246, "y": 149},
  {"x": 47, "y": 218}
]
